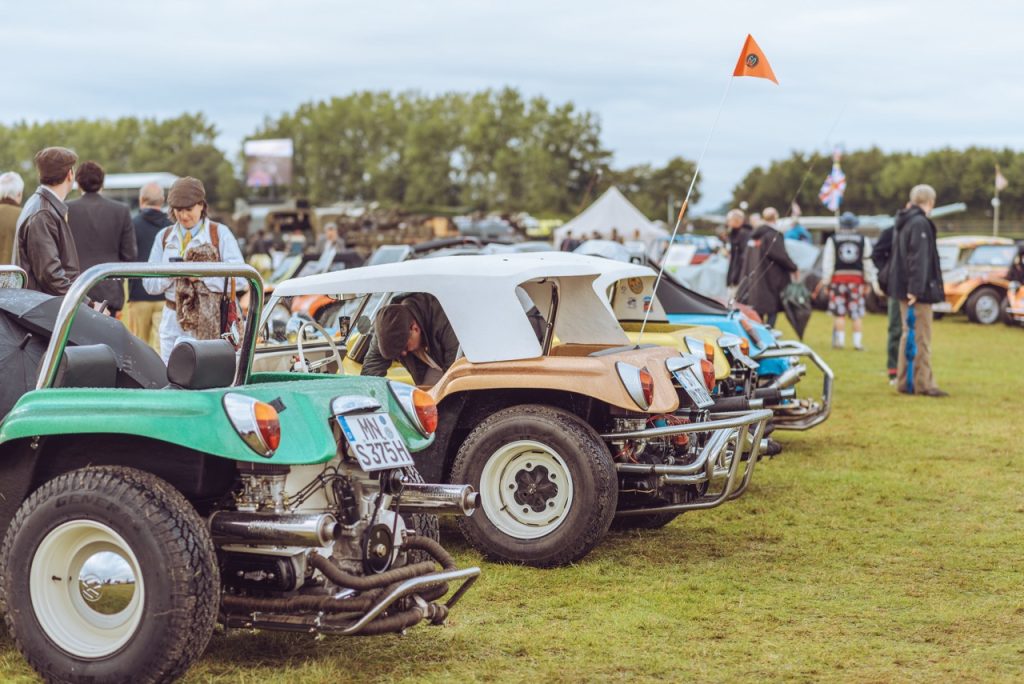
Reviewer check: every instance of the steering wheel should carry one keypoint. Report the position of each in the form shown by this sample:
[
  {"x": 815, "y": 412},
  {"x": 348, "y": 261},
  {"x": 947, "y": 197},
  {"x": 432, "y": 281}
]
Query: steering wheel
[{"x": 302, "y": 366}]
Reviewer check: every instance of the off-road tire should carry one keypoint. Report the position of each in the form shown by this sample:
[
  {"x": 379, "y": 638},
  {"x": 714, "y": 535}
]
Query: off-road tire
[
  {"x": 424, "y": 524},
  {"x": 984, "y": 296},
  {"x": 590, "y": 466},
  {"x": 652, "y": 521},
  {"x": 176, "y": 560}
]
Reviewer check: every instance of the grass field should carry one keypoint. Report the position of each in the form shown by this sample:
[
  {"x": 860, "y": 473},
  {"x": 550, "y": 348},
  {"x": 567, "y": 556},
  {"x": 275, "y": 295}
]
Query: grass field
[{"x": 885, "y": 545}]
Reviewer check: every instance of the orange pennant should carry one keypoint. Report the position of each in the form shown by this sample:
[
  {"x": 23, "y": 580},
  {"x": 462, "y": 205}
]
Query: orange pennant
[{"x": 752, "y": 62}]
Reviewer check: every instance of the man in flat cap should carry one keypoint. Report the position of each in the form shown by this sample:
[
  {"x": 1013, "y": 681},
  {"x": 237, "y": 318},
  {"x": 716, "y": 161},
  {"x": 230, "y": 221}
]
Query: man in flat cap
[
  {"x": 43, "y": 244},
  {"x": 192, "y": 237},
  {"x": 414, "y": 331}
]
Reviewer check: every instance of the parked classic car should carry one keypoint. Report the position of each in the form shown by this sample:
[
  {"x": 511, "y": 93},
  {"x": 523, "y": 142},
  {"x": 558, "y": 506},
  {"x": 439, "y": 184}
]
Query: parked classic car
[
  {"x": 781, "y": 363},
  {"x": 560, "y": 431},
  {"x": 974, "y": 275},
  {"x": 143, "y": 503}
]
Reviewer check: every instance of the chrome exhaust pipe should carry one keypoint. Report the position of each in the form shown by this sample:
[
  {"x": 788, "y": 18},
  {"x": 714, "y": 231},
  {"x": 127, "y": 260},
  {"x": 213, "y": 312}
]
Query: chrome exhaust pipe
[
  {"x": 790, "y": 377},
  {"x": 274, "y": 529},
  {"x": 439, "y": 499}
]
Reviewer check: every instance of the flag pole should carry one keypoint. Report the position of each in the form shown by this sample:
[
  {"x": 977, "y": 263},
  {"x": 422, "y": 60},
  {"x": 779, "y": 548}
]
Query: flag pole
[
  {"x": 682, "y": 209},
  {"x": 995, "y": 206}
]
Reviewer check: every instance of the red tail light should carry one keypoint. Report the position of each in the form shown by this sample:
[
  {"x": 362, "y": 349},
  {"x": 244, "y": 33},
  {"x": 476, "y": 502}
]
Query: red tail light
[
  {"x": 708, "y": 369},
  {"x": 647, "y": 385},
  {"x": 749, "y": 328},
  {"x": 426, "y": 410},
  {"x": 268, "y": 424}
]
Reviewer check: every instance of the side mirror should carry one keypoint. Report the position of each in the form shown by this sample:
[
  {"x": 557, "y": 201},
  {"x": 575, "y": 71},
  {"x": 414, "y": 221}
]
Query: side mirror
[{"x": 363, "y": 325}]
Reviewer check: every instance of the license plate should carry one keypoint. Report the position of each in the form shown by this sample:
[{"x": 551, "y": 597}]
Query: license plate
[
  {"x": 375, "y": 441},
  {"x": 694, "y": 387}
]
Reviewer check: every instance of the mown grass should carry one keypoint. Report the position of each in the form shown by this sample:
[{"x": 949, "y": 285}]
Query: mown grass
[{"x": 882, "y": 546}]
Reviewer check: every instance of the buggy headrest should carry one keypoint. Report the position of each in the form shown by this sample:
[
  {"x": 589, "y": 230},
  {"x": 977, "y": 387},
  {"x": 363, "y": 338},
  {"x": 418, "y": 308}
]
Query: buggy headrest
[
  {"x": 89, "y": 365},
  {"x": 201, "y": 364}
]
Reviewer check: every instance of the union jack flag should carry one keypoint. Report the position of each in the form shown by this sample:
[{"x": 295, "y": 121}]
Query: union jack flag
[{"x": 832, "y": 189}]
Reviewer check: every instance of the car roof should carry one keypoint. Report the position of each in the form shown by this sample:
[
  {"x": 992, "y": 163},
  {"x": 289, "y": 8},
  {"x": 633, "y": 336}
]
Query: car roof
[
  {"x": 478, "y": 294},
  {"x": 966, "y": 241}
]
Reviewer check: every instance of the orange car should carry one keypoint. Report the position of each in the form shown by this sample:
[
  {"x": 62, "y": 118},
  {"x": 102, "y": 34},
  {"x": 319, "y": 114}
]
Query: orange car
[{"x": 974, "y": 272}]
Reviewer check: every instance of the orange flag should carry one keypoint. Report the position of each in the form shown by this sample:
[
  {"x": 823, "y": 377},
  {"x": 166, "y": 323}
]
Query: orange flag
[{"x": 752, "y": 62}]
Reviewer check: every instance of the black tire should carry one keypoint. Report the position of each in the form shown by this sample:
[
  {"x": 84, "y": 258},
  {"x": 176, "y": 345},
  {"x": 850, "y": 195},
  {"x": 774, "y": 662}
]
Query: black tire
[
  {"x": 173, "y": 554},
  {"x": 1004, "y": 310},
  {"x": 652, "y": 521},
  {"x": 424, "y": 524},
  {"x": 983, "y": 306},
  {"x": 578, "y": 452}
]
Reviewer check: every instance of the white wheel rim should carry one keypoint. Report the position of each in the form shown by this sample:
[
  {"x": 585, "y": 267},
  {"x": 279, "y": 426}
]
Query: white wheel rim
[
  {"x": 987, "y": 309},
  {"x": 511, "y": 470},
  {"x": 86, "y": 588}
]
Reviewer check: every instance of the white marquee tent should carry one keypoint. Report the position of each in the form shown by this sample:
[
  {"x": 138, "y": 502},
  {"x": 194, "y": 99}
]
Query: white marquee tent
[{"x": 611, "y": 210}]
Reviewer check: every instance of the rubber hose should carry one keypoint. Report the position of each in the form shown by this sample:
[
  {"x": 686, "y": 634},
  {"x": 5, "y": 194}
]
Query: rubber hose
[
  {"x": 433, "y": 548},
  {"x": 367, "y": 582},
  {"x": 300, "y": 604},
  {"x": 393, "y": 623}
]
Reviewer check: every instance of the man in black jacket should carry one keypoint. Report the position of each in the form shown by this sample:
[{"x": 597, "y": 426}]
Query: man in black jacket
[
  {"x": 143, "y": 311},
  {"x": 767, "y": 269},
  {"x": 915, "y": 279},
  {"x": 415, "y": 331},
  {"x": 739, "y": 234},
  {"x": 43, "y": 244},
  {"x": 103, "y": 232}
]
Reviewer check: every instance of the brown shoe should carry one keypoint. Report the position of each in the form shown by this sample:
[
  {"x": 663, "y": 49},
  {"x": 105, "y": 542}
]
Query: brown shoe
[{"x": 935, "y": 392}]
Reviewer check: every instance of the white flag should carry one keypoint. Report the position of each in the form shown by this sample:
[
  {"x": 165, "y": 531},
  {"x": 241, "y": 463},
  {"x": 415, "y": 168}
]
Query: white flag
[{"x": 1001, "y": 181}]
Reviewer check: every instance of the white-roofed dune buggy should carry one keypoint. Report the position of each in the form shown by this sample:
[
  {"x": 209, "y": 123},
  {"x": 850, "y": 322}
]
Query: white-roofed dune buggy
[{"x": 549, "y": 412}]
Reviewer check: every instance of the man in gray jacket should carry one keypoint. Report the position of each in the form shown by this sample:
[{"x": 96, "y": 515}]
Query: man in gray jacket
[
  {"x": 43, "y": 244},
  {"x": 915, "y": 280},
  {"x": 103, "y": 232}
]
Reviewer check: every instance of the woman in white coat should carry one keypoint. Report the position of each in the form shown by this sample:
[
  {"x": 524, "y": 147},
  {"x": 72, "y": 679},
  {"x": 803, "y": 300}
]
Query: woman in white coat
[{"x": 192, "y": 227}]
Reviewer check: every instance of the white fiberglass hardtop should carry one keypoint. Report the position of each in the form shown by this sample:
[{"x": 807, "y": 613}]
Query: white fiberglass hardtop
[{"x": 479, "y": 296}]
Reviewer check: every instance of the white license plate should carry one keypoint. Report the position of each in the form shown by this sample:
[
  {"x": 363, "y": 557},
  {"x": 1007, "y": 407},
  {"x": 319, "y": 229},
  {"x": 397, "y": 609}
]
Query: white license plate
[
  {"x": 694, "y": 387},
  {"x": 375, "y": 441}
]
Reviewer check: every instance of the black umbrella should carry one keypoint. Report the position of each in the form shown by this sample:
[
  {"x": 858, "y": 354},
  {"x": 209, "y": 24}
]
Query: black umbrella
[
  {"x": 138, "y": 364},
  {"x": 796, "y": 303},
  {"x": 20, "y": 353}
]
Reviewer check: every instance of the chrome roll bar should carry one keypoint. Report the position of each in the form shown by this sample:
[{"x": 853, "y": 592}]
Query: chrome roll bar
[{"x": 87, "y": 280}]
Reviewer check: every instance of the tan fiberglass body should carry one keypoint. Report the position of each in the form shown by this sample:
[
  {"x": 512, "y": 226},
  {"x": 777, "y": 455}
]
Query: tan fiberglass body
[{"x": 569, "y": 368}]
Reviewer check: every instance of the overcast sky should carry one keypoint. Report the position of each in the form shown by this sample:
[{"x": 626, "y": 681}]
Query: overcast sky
[{"x": 910, "y": 75}]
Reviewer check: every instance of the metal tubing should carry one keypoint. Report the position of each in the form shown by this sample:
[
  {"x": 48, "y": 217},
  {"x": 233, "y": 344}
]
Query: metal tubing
[
  {"x": 439, "y": 499},
  {"x": 85, "y": 282},
  {"x": 794, "y": 348},
  {"x": 274, "y": 529},
  {"x": 790, "y": 377},
  {"x": 322, "y": 624},
  {"x": 730, "y": 489},
  {"x": 15, "y": 272},
  {"x": 733, "y": 421}
]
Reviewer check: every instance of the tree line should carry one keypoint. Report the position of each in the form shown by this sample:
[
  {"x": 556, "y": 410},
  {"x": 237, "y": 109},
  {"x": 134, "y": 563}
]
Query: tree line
[
  {"x": 490, "y": 150},
  {"x": 878, "y": 182}
]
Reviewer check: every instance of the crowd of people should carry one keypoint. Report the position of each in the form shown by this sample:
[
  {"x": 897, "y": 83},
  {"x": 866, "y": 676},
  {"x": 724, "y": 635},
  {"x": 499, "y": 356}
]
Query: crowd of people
[
  {"x": 903, "y": 265},
  {"x": 54, "y": 240}
]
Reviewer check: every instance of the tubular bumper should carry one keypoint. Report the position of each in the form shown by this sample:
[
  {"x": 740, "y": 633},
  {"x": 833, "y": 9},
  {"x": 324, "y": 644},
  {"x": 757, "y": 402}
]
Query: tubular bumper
[
  {"x": 715, "y": 463},
  {"x": 353, "y": 624},
  {"x": 821, "y": 413}
]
